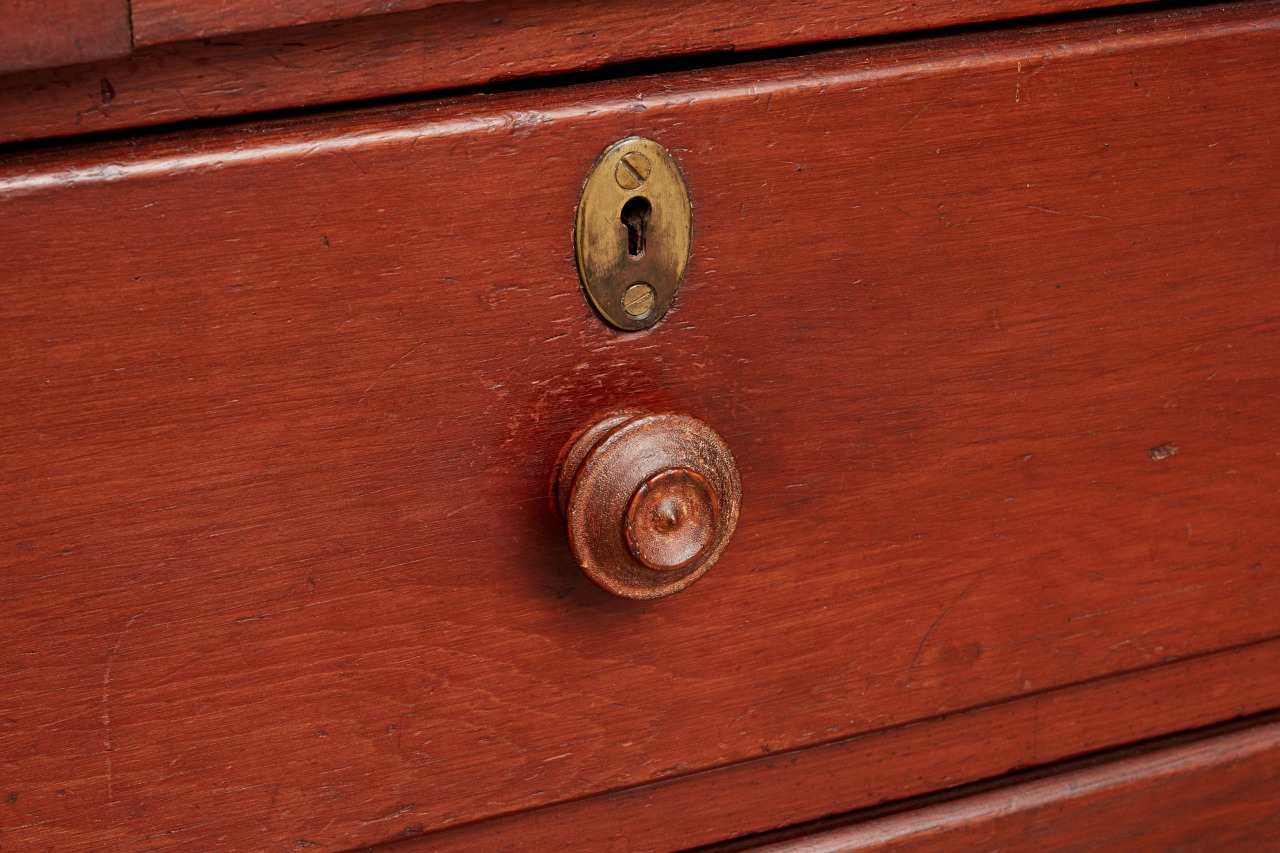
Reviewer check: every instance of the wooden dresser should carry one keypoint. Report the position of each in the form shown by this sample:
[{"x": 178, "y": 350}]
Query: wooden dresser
[{"x": 983, "y": 300}]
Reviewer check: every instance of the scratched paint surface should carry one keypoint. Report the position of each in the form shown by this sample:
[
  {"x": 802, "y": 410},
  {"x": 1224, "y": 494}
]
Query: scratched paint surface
[{"x": 282, "y": 403}]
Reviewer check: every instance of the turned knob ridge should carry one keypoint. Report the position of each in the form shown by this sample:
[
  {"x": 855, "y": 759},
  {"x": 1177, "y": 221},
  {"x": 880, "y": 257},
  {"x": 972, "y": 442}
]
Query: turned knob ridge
[{"x": 649, "y": 501}]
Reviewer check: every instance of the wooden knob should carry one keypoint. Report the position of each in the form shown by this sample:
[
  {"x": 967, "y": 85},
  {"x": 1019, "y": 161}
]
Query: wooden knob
[{"x": 649, "y": 500}]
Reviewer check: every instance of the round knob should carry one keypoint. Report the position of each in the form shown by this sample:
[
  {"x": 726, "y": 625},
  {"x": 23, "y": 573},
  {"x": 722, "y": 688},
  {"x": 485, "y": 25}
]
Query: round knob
[{"x": 650, "y": 501}]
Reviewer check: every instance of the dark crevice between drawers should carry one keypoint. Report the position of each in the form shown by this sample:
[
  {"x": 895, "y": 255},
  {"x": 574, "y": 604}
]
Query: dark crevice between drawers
[{"x": 615, "y": 72}]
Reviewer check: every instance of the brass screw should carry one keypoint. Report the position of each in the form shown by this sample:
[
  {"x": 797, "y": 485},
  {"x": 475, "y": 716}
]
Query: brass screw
[
  {"x": 632, "y": 170},
  {"x": 638, "y": 300}
]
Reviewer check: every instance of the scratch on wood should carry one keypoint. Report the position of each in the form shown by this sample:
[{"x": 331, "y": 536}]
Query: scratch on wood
[
  {"x": 389, "y": 368},
  {"x": 941, "y": 616},
  {"x": 403, "y": 810},
  {"x": 107, "y": 737},
  {"x": 915, "y": 116},
  {"x": 1065, "y": 213}
]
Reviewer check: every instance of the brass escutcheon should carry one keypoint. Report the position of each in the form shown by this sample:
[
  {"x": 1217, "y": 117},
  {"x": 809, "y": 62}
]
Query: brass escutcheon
[{"x": 632, "y": 233}]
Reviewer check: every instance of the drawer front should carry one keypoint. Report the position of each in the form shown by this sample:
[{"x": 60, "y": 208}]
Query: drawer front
[
  {"x": 990, "y": 325},
  {"x": 1219, "y": 793},
  {"x": 621, "y": 27},
  {"x": 63, "y": 32},
  {"x": 200, "y": 59}
]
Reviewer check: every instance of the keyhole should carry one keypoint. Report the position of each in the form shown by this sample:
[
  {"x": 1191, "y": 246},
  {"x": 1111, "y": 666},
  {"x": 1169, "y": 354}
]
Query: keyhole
[{"x": 635, "y": 215}]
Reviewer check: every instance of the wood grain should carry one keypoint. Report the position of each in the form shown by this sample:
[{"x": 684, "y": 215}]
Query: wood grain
[
  {"x": 49, "y": 33},
  {"x": 156, "y": 21},
  {"x": 449, "y": 46},
  {"x": 284, "y": 404},
  {"x": 784, "y": 789},
  {"x": 1217, "y": 793}
]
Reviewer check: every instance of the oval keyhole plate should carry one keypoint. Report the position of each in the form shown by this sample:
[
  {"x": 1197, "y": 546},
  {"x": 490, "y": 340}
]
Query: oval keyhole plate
[{"x": 632, "y": 234}]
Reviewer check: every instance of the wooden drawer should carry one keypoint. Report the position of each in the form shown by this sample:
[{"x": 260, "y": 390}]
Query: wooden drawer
[
  {"x": 1216, "y": 793},
  {"x": 201, "y": 59},
  {"x": 989, "y": 322}
]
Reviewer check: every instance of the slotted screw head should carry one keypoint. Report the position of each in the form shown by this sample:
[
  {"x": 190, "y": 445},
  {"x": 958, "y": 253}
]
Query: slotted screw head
[
  {"x": 632, "y": 171},
  {"x": 638, "y": 300}
]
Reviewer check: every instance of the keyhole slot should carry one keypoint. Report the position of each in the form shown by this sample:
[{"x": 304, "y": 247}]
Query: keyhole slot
[{"x": 635, "y": 216}]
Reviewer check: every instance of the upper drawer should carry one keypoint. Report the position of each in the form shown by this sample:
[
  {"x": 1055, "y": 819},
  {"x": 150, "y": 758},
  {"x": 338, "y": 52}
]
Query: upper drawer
[
  {"x": 157, "y": 21},
  {"x": 62, "y": 32},
  {"x": 282, "y": 406},
  {"x": 229, "y": 57}
]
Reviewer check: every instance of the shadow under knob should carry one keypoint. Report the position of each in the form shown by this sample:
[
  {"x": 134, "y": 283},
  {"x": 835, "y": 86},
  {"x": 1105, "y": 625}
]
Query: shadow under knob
[{"x": 650, "y": 501}]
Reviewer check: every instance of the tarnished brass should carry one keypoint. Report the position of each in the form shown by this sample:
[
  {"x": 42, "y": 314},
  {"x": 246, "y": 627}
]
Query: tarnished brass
[{"x": 633, "y": 233}]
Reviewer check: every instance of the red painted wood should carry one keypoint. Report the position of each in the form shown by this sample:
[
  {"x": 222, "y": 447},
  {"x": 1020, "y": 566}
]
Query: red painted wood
[
  {"x": 777, "y": 790},
  {"x": 156, "y": 21},
  {"x": 48, "y": 33},
  {"x": 1216, "y": 793},
  {"x": 449, "y": 46},
  {"x": 284, "y": 404}
]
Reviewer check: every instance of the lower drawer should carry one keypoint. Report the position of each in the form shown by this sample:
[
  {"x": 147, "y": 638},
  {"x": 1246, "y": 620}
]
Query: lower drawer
[
  {"x": 988, "y": 321},
  {"x": 1214, "y": 793}
]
